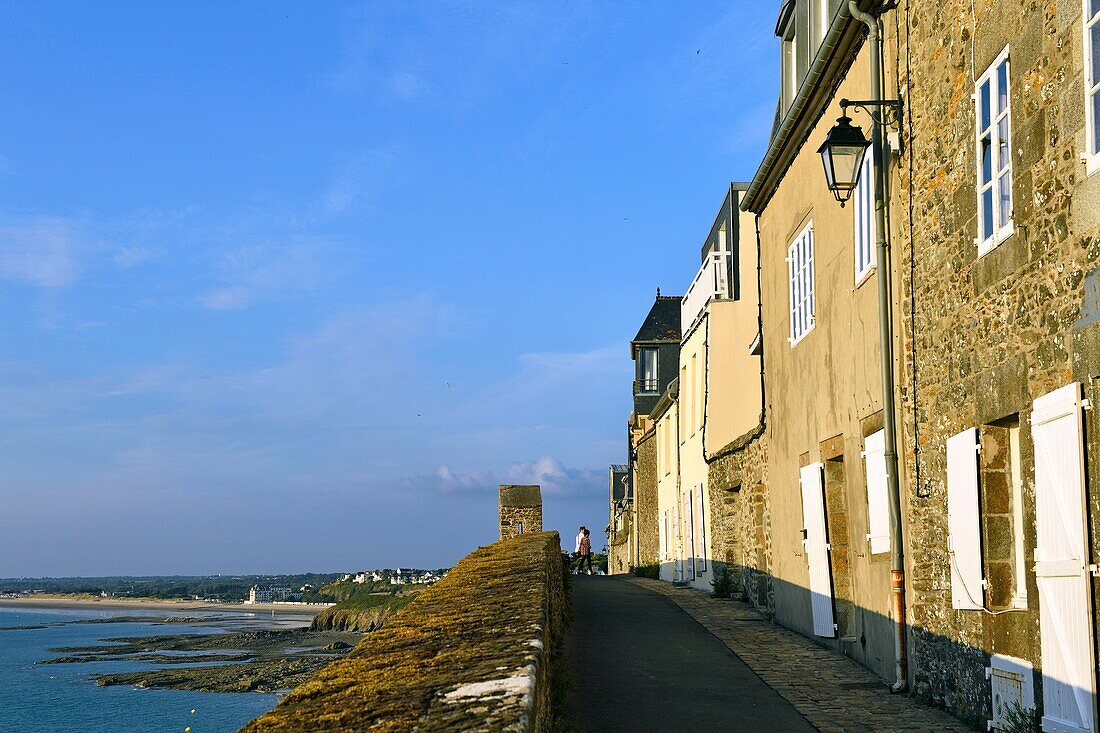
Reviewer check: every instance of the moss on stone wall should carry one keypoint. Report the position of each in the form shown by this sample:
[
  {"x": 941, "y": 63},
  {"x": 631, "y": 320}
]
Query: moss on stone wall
[{"x": 470, "y": 653}]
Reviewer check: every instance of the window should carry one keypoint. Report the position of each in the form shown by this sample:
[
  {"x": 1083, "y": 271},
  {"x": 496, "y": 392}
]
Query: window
[
  {"x": 685, "y": 393},
  {"x": 1092, "y": 84},
  {"x": 701, "y": 381},
  {"x": 788, "y": 72},
  {"x": 865, "y": 219},
  {"x": 668, "y": 441},
  {"x": 878, "y": 500},
  {"x": 647, "y": 371},
  {"x": 694, "y": 396},
  {"x": 800, "y": 266},
  {"x": 994, "y": 151}
]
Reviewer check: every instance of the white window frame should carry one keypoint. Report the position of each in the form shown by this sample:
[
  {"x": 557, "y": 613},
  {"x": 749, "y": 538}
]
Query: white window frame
[
  {"x": 864, "y": 210},
  {"x": 1092, "y": 91},
  {"x": 1000, "y": 153},
  {"x": 800, "y": 271}
]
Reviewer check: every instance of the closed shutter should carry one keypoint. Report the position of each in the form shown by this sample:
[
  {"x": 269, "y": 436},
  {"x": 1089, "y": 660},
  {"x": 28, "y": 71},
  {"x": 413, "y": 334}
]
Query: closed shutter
[
  {"x": 689, "y": 536},
  {"x": 702, "y": 533},
  {"x": 1061, "y": 572},
  {"x": 878, "y": 503},
  {"x": 964, "y": 543},
  {"x": 817, "y": 549},
  {"x": 663, "y": 540}
]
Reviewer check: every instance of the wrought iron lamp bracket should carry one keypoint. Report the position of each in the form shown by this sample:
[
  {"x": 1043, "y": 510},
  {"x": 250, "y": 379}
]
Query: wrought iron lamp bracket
[{"x": 883, "y": 111}]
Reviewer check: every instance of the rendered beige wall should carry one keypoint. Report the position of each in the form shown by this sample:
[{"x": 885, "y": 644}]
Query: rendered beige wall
[{"x": 819, "y": 390}]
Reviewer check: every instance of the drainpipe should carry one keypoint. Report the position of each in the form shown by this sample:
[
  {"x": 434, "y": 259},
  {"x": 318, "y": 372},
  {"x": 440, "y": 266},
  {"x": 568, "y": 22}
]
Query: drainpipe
[{"x": 886, "y": 338}]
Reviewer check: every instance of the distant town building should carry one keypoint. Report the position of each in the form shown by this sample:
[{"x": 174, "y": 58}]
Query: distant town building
[{"x": 272, "y": 594}]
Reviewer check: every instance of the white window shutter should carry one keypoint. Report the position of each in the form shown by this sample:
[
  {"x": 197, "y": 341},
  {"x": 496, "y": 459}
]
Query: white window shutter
[
  {"x": 964, "y": 542},
  {"x": 878, "y": 502},
  {"x": 702, "y": 533},
  {"x": 817, "y": 549},
  {"x": 1061, "y": 562}
]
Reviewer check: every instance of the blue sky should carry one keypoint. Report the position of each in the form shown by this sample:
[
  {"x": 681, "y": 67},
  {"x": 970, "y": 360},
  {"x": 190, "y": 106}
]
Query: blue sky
[{"x": 293, "y": 286}]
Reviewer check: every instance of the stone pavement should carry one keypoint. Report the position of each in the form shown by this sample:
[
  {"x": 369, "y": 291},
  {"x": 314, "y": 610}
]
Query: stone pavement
[
  {"x": 635, "y": 663},
  {"x": 833, "y": 692}
]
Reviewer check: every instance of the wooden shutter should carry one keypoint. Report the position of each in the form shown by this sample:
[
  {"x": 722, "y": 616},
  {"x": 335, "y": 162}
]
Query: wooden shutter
[
  {"x": 817, "y": 549},
  {"x": 1061, "y": 564},
  {"x": 702, "y": 533},
  {"x": 878, "y": 502},
  {"x": 689, "y": 536},
  {"x": 964, "y": 542}
]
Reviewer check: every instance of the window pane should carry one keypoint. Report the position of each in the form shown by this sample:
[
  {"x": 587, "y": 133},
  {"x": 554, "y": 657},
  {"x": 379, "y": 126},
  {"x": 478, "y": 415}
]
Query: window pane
[
  {"x": 1004, "y": 186},
  {"x": 983, "y": 115},
  {"x": 1094, "y": 7},
  {"x": 987, "y": 213},
  {"x": 1096, "y": 120},
  {"x": 987, "y": 162},
  {"x": 1002, "y": 144},
  {"x": 1002, "y": 87},
  {"x": 1094, "y": 56}
]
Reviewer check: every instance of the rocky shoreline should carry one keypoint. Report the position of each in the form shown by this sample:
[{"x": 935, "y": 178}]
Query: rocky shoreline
[{"x": 250, "y": 660}]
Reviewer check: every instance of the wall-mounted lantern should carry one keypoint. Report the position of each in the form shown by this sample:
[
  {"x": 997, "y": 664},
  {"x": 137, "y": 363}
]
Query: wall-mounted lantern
[{"x": 842, "y": 155}]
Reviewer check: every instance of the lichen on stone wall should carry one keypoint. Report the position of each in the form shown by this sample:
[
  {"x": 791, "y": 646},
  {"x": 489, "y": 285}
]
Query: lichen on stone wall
[{"x": 472, "y": 652}]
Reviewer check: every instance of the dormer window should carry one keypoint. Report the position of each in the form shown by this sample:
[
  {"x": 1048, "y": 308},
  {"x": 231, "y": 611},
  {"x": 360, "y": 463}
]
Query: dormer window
[{"x": 647, "y": 371}]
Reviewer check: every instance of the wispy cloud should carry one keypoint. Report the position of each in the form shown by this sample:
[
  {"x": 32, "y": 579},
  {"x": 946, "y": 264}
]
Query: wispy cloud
[
  {"x": 264, "y": 272},
  {"x": 555, "y": 478},
  {"x": 41, "y": 251}
]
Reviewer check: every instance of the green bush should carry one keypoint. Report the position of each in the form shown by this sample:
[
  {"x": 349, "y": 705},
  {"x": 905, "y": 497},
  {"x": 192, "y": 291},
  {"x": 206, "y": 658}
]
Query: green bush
[
  {"x": 650, "y": 570},
  {"x": 1019, "y": 719},
  {"x": 722, "y": 583}
]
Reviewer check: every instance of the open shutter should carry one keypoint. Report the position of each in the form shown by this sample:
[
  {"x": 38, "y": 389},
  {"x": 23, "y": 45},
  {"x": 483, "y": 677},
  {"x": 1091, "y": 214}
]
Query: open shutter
[
  {"x": 964, "y": 541},
  {"x": 689, "y": 537},
  {"x": 817, "y": 549},
  {"x": 702, "y": 533},
  {"x": 1061, "y": 572},
  {"x": 878, "y": 503},
  {"x": 663, "y": 539}
]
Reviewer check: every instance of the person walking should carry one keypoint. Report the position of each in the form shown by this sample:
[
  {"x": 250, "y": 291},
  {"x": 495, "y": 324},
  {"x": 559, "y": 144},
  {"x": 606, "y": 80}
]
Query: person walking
[
  {"x": 586, "y": 552},
  {"x": 574, "y": 566}
]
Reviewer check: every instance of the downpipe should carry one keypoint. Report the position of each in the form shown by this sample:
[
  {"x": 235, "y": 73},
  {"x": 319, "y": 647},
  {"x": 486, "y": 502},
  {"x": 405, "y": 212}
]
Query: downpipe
[{"x": 885, "y": 313}]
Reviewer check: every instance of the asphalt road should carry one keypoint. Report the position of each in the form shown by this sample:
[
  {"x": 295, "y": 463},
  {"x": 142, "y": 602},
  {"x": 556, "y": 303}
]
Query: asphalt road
[{"x": 636, "y": 662}]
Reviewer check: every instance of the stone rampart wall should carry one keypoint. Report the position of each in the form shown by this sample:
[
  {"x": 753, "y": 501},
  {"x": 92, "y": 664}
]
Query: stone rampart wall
[{"x": 473, "y": 652}]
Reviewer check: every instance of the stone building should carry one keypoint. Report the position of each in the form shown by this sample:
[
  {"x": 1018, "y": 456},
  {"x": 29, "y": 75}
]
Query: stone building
[
  {"x": 620, "y": 534},
  {"x": 520, "y": 510},
  {"x": 1002, "y": 351},
  {"x": 655, "y": 350}
]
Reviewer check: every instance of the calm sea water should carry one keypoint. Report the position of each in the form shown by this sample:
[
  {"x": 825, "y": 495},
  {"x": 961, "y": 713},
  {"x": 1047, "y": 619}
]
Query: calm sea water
[{"x": 63, "y": 697}]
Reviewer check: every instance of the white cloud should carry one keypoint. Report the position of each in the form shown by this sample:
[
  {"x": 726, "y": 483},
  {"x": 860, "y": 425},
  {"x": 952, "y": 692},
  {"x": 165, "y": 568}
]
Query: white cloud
[
  {"x": 548, "y": 472},
  {"x": 263, "y": 272},
  {"x": 40, "y": 251}
]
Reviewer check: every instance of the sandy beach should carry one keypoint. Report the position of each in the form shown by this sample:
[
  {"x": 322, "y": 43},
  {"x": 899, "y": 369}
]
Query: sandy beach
[{"x": 157, "y": 604}]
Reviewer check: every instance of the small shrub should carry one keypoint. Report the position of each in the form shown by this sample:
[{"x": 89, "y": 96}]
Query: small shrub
[
  {"x": 1019, "y": 719},
  {"x": 650, "y": 570},
  {"x": 722, "y": 583}
]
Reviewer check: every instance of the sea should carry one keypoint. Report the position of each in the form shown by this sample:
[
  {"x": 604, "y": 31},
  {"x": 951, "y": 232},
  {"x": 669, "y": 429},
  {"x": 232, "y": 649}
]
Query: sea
[{"x": 64, "y": 697}]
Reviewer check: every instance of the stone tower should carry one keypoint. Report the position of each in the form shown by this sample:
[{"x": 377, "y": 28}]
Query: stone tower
[{"x": 520, "y": 510}]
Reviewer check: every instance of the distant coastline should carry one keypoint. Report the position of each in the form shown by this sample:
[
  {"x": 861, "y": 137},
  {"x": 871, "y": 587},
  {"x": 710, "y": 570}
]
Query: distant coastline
[{"x": 47, "y": 600}]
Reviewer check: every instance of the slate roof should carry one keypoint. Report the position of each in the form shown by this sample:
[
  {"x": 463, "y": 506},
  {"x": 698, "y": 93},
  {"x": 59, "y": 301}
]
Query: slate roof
[{"x": 663, "y": 321}]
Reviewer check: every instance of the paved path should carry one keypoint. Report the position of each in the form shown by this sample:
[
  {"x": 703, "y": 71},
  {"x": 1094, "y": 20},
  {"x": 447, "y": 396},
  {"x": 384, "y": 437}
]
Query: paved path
[
  {"x": 637, "y": 662},
  {"x": 833, "y": 692}
]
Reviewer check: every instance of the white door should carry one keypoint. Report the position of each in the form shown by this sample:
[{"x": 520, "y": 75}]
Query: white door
[
  {"x": 1061, "y": 564},
  {"x": 689, "y": 536},
  {"x": 815, "y": 541}
]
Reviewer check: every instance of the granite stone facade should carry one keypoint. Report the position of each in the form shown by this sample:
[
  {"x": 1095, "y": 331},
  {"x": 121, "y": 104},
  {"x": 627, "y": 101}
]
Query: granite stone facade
[
  {"x": 520, "y": 510},
  {"x": 985, "y": 334}
]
